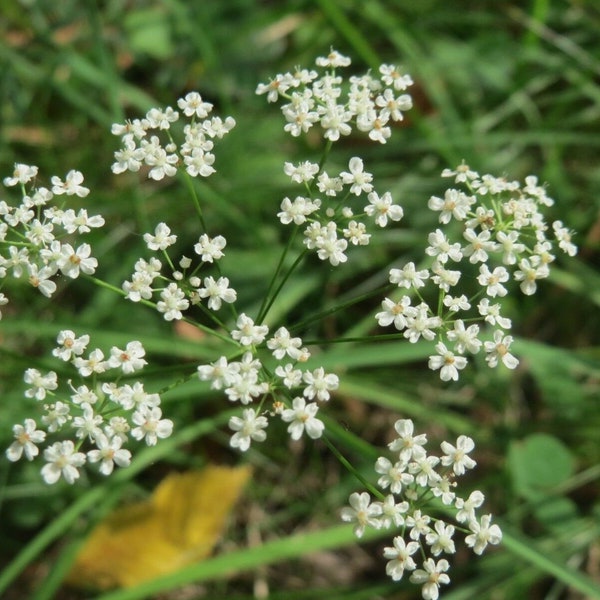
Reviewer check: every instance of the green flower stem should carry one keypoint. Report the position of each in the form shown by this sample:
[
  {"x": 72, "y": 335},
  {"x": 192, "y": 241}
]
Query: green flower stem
[{"x": 270, "y": 295}]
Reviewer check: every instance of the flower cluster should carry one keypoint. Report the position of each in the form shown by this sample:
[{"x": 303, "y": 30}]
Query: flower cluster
[
  {"x": 330, "y": 225},
  {"x": 325, "y": 208},
  {"x": 490, "y": 231},
  {"x": 142, "y": 144},
  {"x": 185, "y": 286},
  {"x": 96, "y": 415},
  {"x": 294, "y": 392},
  {"x": 412, "y": 480},
  {"x": 370, "y": 102},
  {"x": 35, "y": 235}
]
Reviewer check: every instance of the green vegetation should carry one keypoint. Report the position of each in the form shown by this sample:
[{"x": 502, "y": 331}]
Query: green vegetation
[{"x": 511, "y": 88}]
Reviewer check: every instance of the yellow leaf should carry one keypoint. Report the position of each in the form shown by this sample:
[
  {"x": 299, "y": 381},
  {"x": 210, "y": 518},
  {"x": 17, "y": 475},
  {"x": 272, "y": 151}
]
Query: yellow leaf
[{"x": 177, "y": 526}]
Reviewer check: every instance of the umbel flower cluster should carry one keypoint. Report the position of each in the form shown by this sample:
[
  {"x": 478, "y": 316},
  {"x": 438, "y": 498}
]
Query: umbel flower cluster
[
  {"x": 36, "y": 237},
  {"x": 492, "y": 236},
  {"x": 409, "y": 483},
  {"x": 95, "y": 417},
  {"x": 491, "y": 231}
]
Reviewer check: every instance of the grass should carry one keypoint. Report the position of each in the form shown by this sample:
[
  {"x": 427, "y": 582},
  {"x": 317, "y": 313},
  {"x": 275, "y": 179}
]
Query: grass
[{"x": 510, "y": 88}]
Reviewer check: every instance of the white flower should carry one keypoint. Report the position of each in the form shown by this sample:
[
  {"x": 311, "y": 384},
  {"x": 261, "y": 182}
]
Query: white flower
[
  {"x": 528, "y": 274},
  {"x": 563, "y": 235},
  {"x": 301, "y": 417},
  {"x": 95, "y": 363},
  {"x": 72, "y": 261},
  {"x": 210, "y": 249},
  {"x": 457, "y": 456},
  {"x": 80, "y": 222},
  {"x": 408, "y": 276},
  {"x": 40, "y": 384},
  {"x": 448, "y": 363},
  {"x": 465, "y": 340},
  {"x": 392, "y": 513},
  {"x": 247, "y": 333},
  {"x": 466, "y": 508},
  {"x": 440, "y": 539},
  {"x": 40, "y": 279},
  {"x": 150, "y": 426},
  {"x": 192, "y": 105},
  {"x": 129, "y": 360},
  {"x": 62, "y": 460},
  {"x": 400, "y": 557},
  {"x": 21, "y": 174},
  {"x": 217, "y": 292},
  {"x": 88, "y": 424},
  {"x": 431, "y": 576},
  {"x": 71, "y": 186},
  {"x": 393, "y": 475},
  {"x": 455, "y": 204},
  {"x": 499, "y": 350},
  {"x": 423, "y": 468},
  {"x": 383, "y": 209},
  {"x": 291, "y": 376},
  {"x": 329, "y": 247},
  {"x": 418, "y": 524},
  {"x": 406, "y": 444},
  {"x": 359, "y": 179},
  {"x": 161, "y": 239},
  {"x": 493, "y": 280},
  {"x": 56, "y": 416},
  {"x": 491, "y": 313},
  {"x": 249, "y": 427},
  {"x": 333, "y": 59},
  {"x": 319, "y": 384},
  {"x": 282, "y": 343},
  {"x": 220, "y": 373},
  {"x": 362, "y": 512},
  {"x": 442, "y": 249},
  {"x": 109, "y": 453},
  {"x": 479, "y": 245},
  {"x": 483, "y": 534},
  {"x": 26, "y": 437},
  {"x": 172, "y": 302}
]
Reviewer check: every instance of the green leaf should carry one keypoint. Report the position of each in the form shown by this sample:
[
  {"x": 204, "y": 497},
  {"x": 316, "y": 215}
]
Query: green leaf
[{"x": 539, "y": 464}]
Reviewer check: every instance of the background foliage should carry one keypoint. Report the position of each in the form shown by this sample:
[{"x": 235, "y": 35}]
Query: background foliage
[{"x": 511, "y": 87}]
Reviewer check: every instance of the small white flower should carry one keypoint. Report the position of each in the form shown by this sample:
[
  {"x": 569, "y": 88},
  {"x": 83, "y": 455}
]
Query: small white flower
[
  {"x": 498, "y": 349},
  {"x": 210, "y": 249},
  {"x": 493, "y": 280},
  {"x": 71, "y": 186},
  {"x": 129, "y": 360},
  {"x": 382, "y": 208},
  {"x": 319, "y": 384},
  {"x": 408, "y": 276},
  {"x": 483, "y": 534},
  {"x": 363, "y": 512},
  {"x": 440, "y": 539},
  {"x": 217, "y": 292},
  {"x": 193, "y": 105},
  {"x": 71, "y": 261},
  {"x": 161, "y": 239},
  {"x": 109, "y": 453},
  {"x": 393, "y": 475},
  {"x": 249, "y": 427},
  {"x": 400, "y": 557},
  {"x": 88, "y": 424},
  {"x": 431, "y": 576},
  {"x": 357, "y": 177},
  {"x": 172, "y": 302},
  {"x": 301, "y": 417},
  {"x": 26, "y": 437},
  {"x": 282, "y": 344},
  {"x": 150, "y": 426},
  {"x": 95, "y": 363},
  {"x": 457, "y": 456},
  {"x": 406, "y": 444},
  {"x": 448, "y": 363},
  {"x": 40, "y": 384},
  {"x": 396, "y": 313},
  {"x": 62, "y": 460},
  {"x": 21, "y": 174},
  {"x": 247, "y": 333},
  {"x": 466, "y": 508}
]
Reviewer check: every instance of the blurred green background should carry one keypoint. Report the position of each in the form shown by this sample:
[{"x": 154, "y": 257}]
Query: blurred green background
[{"x": 510, "y": 87}]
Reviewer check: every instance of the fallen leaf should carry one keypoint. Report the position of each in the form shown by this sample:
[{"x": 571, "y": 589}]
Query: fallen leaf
[{"x": 177, "y": 526}]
